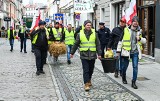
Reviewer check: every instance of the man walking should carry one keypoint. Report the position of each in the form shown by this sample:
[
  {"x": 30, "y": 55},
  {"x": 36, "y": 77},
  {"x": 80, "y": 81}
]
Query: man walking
[
  {"x": 23, "y": 37},
  {"x": 103, "y": 34},
  {"x": 57, "y": 31},
  {"x": 40, "y": 41},
  {"x": 11, "y": 36},
  {"x": 89, "y": 45},
  {"x": 115, "y": 36},
  {"x": 69, "y": 41},
  {"x": 131, "y": 47}
]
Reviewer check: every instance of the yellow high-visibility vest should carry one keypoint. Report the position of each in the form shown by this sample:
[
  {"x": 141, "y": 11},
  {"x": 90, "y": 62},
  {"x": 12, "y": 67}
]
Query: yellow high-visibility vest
[
  {"x": 86, "y": 44},
  {"x": 69, "y": 37},
  {"x": 9, "y": 33},
  {"x": 36, "y": 36},
  {"x": 127, "y": 40},
  {"x": 58, "y": 34}
]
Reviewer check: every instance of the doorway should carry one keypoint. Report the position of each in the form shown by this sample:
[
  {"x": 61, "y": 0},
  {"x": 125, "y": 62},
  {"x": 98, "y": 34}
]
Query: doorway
[{"x": 147, "y": 23}]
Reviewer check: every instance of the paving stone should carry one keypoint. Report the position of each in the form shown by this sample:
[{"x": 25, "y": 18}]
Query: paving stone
[
  {"x": 70, "y": 80},
  {"x": 18, "y": 81}
]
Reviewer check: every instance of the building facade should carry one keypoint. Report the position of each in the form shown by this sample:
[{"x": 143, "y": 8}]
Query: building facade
[
  {"x": 12, "y": 9},
  {"x": 110, "y": 12}
]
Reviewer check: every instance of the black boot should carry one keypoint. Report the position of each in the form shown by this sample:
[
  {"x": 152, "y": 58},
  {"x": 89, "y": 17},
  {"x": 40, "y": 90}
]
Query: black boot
[
  {"x": 38, "y": 72},
  {"x": 124, "y": 79},
  {"x": 120, "y": 73},
  {"x": 69, "y": 62},
  {"x": 134, "y": 85},
  {"x": 42, "y": 72},
  {"x": 116, "y": 74}
]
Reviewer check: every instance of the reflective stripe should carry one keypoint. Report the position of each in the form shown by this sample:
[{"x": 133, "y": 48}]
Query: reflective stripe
[
  {"x": 87, "y": 46},
  {"x": 87, "y": 42},
  {"x": 126, "y": 45},
  {"x": 126, "y": 41}
]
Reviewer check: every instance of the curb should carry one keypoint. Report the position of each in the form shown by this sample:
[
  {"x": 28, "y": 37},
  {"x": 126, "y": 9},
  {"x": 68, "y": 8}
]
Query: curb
[{"x": 55, "y": 83}]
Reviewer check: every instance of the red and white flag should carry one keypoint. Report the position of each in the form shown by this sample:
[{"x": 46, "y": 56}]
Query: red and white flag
[
  {"x": 131, "y": 12},
  {"x": 36, "y": 20}
]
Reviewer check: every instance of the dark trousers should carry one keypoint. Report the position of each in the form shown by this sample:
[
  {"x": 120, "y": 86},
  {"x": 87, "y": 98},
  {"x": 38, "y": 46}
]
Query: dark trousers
[
  {"x": 11, "y": 41},
  {"x": 103, "y": 46},
  {"x": 88, "y": 68},
  {"x": 32, "y": 47},
  {"x": 40, "y": 58},
  {"x": 23, "y": 43}
]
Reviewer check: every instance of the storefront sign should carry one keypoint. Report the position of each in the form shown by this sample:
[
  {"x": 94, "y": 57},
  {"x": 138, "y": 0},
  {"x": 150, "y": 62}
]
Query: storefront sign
[{"x": 83, "y": 6}]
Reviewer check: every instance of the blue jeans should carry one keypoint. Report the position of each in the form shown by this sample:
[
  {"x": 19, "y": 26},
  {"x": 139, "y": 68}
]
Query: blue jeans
[
  {"x": 69, "y": 47},
  {"x": 125, "y": 63},
  {"x": 11, "y": 41},
  {"x": 118, "y": 62}
]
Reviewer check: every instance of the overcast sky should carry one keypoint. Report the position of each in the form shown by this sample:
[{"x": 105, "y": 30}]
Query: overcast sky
[{"x": 25, "y": 2}]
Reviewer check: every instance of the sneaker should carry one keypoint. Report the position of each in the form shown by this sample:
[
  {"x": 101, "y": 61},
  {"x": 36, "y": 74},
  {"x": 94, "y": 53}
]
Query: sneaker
[
  {"x": 25, "y": 52},
  {"x": 86, "y": 87}
]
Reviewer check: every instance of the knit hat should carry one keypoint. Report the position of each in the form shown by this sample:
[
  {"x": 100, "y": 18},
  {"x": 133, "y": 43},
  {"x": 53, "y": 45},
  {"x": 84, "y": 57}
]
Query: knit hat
[
  {"x": 56, "y": 23},
  {"x": 101, "y": 23},
  {"x": 86, "y": 22},
  {"x": 41, "y": 23},
  {"x": 135, "y": 18}
]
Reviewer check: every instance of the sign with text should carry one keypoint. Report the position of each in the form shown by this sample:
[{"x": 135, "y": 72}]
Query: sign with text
[
  {"x": 83, "y": 6},
  {"x": 7, "y": 18}
]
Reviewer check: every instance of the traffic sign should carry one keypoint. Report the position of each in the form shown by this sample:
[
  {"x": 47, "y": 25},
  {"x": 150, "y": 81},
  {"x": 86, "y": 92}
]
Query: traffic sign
[
  {"x": 47, "y": 19},
  {"x": 58, "y": 16}
]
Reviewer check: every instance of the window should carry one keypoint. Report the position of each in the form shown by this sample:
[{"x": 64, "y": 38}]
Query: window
[
  {"x": 119, "y": 8},
  {"x": 102, "y": 15}
]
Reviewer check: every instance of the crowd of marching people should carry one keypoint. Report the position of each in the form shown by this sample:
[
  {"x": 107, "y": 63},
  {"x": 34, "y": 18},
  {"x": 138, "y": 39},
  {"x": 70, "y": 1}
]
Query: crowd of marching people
[{"x": 124, "y": 40}]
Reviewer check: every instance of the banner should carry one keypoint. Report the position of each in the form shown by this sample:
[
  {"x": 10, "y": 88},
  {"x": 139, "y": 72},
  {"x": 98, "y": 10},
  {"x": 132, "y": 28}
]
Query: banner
[{"x": 83, "y": 6}]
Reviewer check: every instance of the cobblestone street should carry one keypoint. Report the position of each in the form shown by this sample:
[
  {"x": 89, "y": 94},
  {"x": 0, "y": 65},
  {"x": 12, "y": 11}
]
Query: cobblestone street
[
  {"x": 18, "y": 81},
  {"x": 69, "y": 79}
]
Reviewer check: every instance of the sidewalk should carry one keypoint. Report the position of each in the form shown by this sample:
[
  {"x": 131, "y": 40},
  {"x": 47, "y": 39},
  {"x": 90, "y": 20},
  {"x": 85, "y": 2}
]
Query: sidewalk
[
  {"x": 2, "y": 41},
  {"x": 148, "y": 83},
  {"x": 18, "y": 81}
]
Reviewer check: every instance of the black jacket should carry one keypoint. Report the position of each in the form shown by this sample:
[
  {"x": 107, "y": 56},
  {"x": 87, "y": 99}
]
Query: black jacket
[
  {"x": 77, "y": 30},
  {"x": 89, "y": 55},
  {"x": 42, "y": 42},
  {"x": 23, "y": 35},
  {"x": 104, "y": 35},
  {"x": 115, "y": 36}
]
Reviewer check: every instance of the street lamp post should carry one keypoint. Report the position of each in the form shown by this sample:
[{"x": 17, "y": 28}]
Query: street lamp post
[
  {"x": 95, "y": 18},
  {"x": 58, "y": 3}
]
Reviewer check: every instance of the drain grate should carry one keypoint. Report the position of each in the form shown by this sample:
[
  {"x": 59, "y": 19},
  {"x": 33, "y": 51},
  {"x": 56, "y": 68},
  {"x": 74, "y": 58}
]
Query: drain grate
[{"x": 142, "y": 78}]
